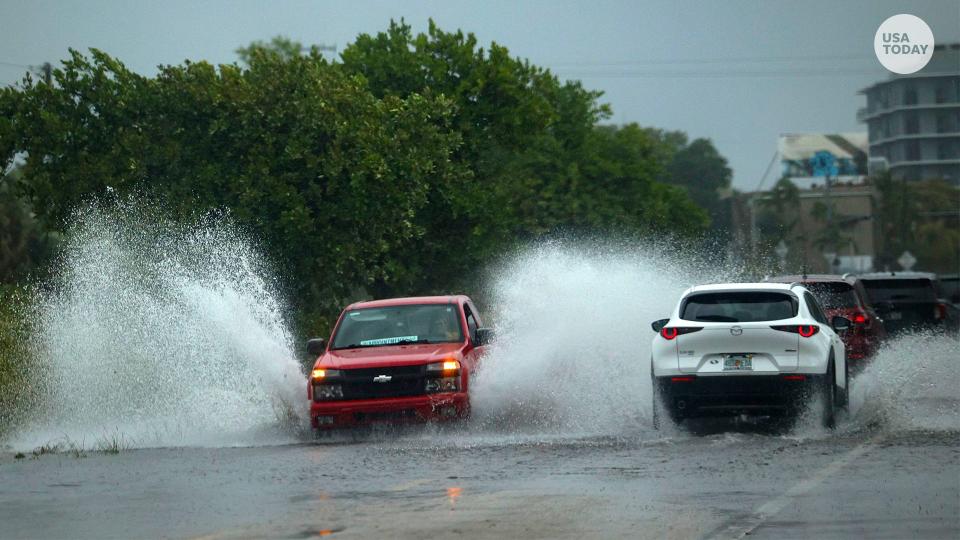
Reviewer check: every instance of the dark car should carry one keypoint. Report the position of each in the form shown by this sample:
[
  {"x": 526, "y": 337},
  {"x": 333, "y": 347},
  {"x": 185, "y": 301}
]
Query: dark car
[
  {"x": 949, "y": 288},
  {"x": 906, "y": 301},
  {"x": 844, "y": 296}
]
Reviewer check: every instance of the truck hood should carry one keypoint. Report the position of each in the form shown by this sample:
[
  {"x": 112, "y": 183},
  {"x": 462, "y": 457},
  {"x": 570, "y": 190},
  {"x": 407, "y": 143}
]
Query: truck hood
[{"x": 390, "y": 355}]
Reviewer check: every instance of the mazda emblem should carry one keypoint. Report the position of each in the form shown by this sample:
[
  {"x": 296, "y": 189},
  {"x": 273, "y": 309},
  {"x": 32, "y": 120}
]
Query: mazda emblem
[
  {"x": 736, "y": 331},
  {"x": 382, "y": 378}
]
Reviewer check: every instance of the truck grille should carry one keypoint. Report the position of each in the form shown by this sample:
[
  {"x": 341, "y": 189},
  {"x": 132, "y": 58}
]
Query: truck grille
[{"x": 404, "y": 381}]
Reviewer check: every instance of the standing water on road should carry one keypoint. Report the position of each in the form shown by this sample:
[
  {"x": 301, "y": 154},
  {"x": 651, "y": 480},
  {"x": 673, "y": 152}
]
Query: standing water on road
[{"x": 155, "y": 334}]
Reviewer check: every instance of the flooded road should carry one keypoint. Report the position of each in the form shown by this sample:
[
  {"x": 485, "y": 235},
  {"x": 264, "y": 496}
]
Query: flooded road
[
  {"x": 421, "y": 483},
  {"x": 140, "y": 433}
]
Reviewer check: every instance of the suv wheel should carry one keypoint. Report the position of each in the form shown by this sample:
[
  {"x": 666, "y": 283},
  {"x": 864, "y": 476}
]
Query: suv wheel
[{"x": 828, "y": 392}]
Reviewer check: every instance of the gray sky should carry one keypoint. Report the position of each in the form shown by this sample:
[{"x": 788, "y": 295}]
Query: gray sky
[{"x": 738, "y": 72}]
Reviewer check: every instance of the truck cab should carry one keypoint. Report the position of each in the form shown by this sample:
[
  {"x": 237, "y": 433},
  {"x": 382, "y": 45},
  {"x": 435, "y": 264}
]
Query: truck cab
[{"x": 396, "y": 360}]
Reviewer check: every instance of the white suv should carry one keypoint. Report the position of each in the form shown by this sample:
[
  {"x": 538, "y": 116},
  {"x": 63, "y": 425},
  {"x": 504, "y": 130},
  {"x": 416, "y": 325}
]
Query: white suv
[{"x": 748, "y": 348}]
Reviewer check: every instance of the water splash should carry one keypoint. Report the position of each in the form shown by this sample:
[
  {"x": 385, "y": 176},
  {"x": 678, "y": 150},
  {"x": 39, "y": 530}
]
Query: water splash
[
  {"x": 912, "y": 383},
  {"x": 573, "y": 347},
  {"x": 167, "y": 334}
]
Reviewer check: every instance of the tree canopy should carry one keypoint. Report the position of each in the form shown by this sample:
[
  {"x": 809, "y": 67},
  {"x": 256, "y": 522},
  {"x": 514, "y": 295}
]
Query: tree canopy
[{"x": 399, "y": 170}]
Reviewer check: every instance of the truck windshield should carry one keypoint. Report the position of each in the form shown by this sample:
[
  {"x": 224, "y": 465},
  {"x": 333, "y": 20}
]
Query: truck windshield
[
  {"x": 396, "y": 325},
  {"x": 900, "y": 290},
  {"x": 739, "y": 307},
  {"x": 833, "y": 295}
]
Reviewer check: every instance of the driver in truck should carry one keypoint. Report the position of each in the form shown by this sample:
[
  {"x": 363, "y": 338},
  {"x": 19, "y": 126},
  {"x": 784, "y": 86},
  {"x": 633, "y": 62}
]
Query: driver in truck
[{"x": 442, "y": 329}]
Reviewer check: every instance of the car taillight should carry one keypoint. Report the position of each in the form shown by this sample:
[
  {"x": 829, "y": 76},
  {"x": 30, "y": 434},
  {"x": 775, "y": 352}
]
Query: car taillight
[
  {"x": 939, "y": 311},
  {"x": 805, "y": 330},
  {"x": 670, "y": 333},
  {"x": 859, "y": 318}
]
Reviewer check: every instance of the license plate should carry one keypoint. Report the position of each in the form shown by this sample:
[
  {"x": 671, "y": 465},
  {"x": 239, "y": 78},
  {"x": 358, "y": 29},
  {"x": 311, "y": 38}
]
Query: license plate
[
  {"x": 738, "y": 362},
  {"x": 894, "y": 315}
]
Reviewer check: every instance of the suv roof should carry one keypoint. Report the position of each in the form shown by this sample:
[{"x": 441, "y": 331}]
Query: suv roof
[
  {"x": 741, "y": 287},
  {"x": 409, "y": 301}
]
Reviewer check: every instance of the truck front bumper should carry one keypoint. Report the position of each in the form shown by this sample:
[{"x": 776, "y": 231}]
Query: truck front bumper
[{"x": 434, "y": 407}]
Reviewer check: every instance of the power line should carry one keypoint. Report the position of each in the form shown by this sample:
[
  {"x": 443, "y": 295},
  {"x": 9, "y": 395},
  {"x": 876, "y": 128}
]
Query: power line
[
  {"x": 718, "y": 60},
  {"x": 763, "y": 180},
  {"x": 12, "y": 64},
  {"x": 729, "y": 75}
]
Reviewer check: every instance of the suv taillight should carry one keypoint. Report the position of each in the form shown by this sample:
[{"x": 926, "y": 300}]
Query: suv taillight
[
  {"x": 939, "y": 311},
  {"x": 805, "y": 330},
  {"x": 670, "y": 333}
]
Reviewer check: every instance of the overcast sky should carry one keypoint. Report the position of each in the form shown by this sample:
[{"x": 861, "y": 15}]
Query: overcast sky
[{"x": 737, "y": 72}]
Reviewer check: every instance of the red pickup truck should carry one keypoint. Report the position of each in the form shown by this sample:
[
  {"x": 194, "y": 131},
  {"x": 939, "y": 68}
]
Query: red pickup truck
[{"x": 396, "y": 360}]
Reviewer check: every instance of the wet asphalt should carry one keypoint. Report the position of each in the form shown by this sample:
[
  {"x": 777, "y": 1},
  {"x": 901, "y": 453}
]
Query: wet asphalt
[{"x": 726, "y": 481}]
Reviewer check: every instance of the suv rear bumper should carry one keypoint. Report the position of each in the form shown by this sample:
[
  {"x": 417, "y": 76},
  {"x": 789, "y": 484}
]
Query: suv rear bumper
[
  {"x": 338, "y": 414},
  {"x": 689, "y": 396}
]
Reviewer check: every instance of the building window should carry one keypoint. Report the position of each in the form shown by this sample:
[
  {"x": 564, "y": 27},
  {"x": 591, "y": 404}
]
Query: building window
[
  {"x": 943, "y": 124},
  {"x": 945, "y": 150},
  {"x": 910, "y": 95},
  {"x": 911, "y": 124},
  {"x": 913, "y": 151},
  {"x": 883, "y": 98},
  {"x": 941, "y": 94}
]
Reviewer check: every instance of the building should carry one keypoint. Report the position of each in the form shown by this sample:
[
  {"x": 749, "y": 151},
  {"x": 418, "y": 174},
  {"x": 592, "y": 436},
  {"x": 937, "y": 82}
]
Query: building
[
  {"x": 821, "y": 215},
  {"x": 913, "y": 121},
  {"x": 824, "y": 230}
]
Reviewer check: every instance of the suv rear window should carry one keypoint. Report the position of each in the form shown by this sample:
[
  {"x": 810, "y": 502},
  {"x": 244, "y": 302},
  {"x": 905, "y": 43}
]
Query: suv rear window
[
  {"x": 833, "y": 295},
  {"x": 900, "y": 290},
  {"x": 739, "y": 307}
]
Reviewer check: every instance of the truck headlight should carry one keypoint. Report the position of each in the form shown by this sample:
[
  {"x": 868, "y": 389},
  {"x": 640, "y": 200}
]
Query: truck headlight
[
  {"x": 443, "y": 384},
  {"x": 322, "y": 373},
  {"x": 447, "y": 368},
  {"x": 322, "y": 392}
]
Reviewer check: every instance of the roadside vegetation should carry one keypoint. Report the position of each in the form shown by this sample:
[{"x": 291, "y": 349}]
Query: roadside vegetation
[
  {"x": 400, "y": 168},
  {"x": 17, "y": 390}
]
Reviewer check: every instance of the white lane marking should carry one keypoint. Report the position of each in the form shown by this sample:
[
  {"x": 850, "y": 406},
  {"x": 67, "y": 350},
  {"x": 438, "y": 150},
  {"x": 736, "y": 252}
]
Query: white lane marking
[{"x": 771, "y": 508}]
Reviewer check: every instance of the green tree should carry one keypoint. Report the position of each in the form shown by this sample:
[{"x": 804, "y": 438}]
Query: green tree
[
  {"x": 399, "y": 170},
  {"x": 540, "y": 163},
  {"x": 328, "y": 176},
  {"x": 24, "y": 244},
  {"x": 920, "y": 217},
  {"x": 699, "y": 168}
]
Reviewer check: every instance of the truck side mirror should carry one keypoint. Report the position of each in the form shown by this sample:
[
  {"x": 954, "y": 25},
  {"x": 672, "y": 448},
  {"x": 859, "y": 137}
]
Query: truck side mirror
[
  {"x": 484, "y": 336},
  {"x": 659, "y": 324},
  {"x": 316, "y": 346}
]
